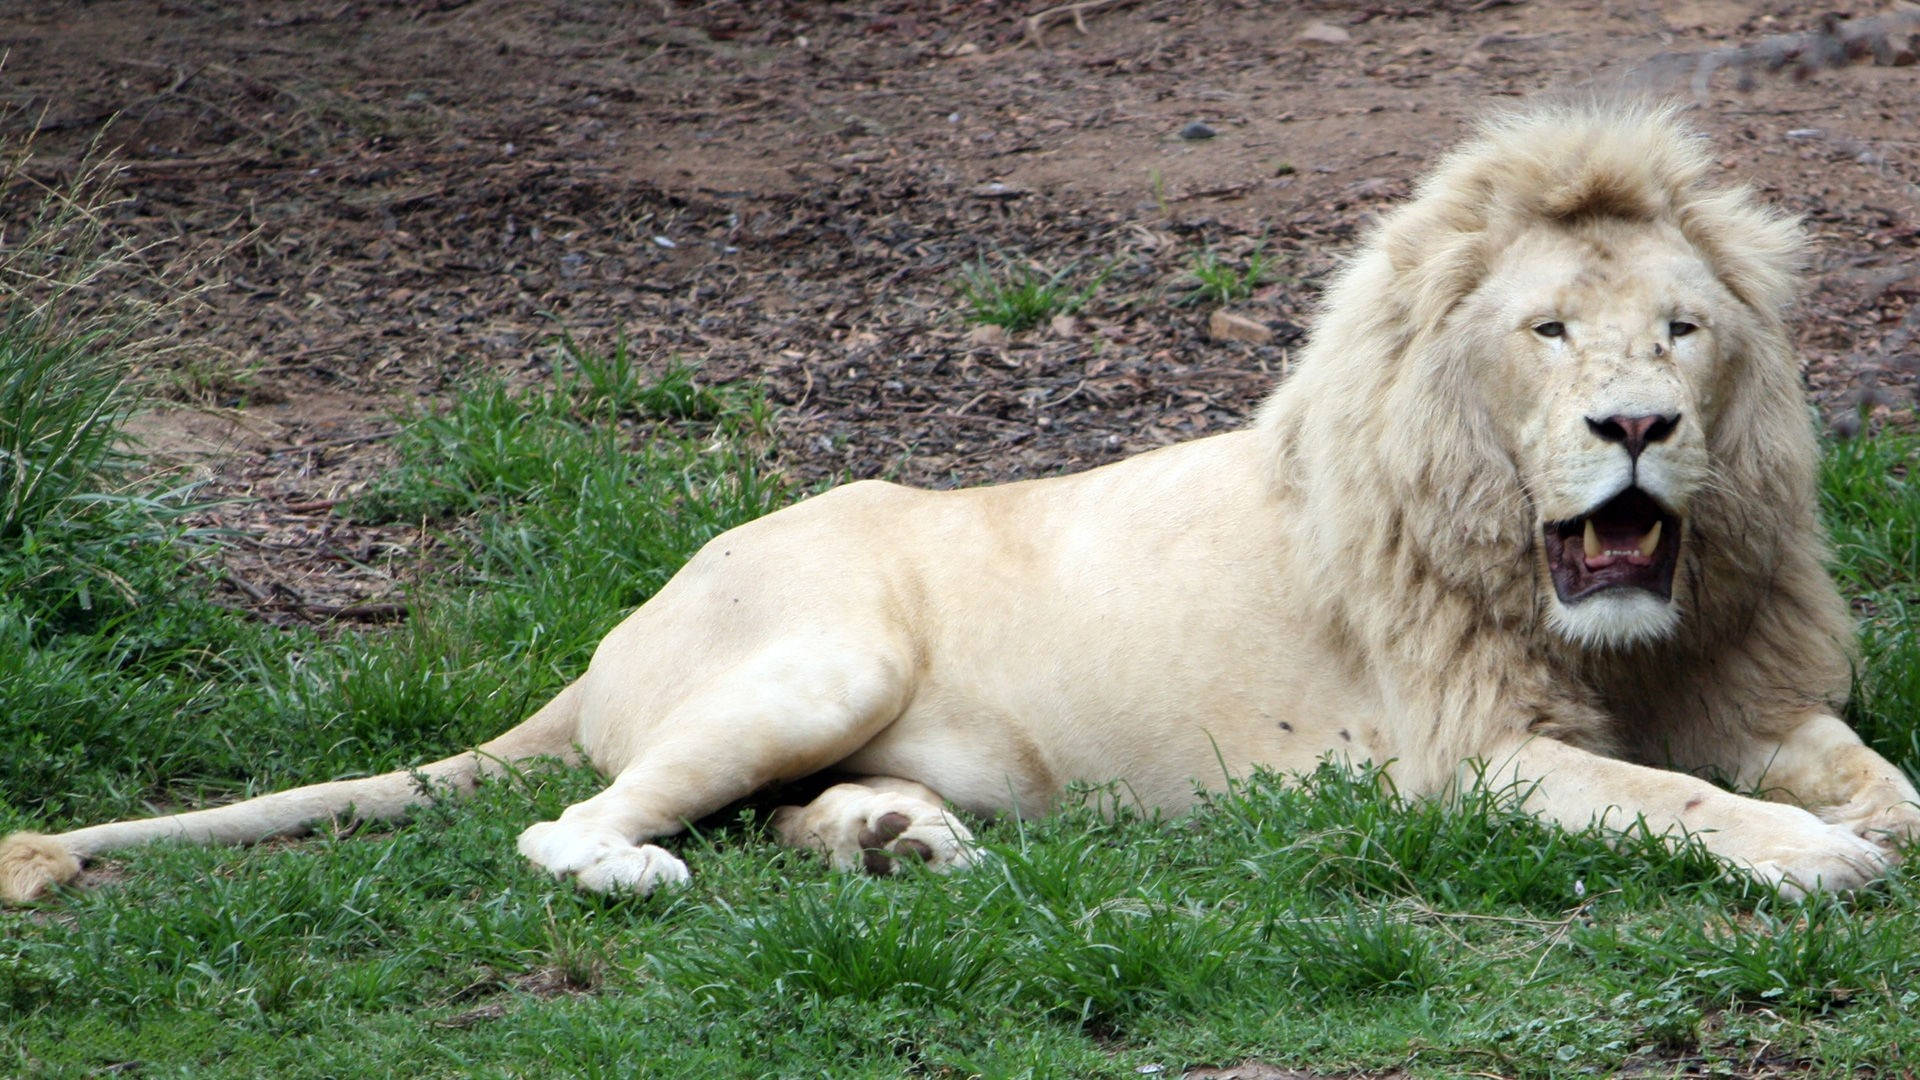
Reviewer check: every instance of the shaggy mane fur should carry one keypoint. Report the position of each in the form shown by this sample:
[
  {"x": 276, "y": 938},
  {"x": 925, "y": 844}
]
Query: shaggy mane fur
[{"x": 1423, "y": 517}]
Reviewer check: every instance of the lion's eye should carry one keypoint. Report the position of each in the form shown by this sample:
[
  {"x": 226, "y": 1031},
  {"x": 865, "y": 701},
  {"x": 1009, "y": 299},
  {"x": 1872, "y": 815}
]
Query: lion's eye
[
  {"x": 1680, "y": 328},
  {"x": 1550, "y": 329}
]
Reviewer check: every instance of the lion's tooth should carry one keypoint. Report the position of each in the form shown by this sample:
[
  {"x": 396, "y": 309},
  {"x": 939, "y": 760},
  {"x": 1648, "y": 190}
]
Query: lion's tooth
[
  {"x": 1592, "y": 541},
  {"x": 1650, "y": 541}
]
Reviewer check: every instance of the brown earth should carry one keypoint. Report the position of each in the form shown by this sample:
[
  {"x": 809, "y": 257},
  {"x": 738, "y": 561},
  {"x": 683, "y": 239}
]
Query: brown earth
[{"x": 404, "y": 195}]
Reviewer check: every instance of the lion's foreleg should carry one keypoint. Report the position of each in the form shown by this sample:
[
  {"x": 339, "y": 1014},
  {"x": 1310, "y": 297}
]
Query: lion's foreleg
[
  {"x": 871, "y": 823},
  {"x": 1823, "y": 766},
  {"x": 1772, "y": 841}
]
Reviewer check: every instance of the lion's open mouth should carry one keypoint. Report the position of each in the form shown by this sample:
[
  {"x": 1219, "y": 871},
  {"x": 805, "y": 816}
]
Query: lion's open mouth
[{"x": 1629, "y": 542}]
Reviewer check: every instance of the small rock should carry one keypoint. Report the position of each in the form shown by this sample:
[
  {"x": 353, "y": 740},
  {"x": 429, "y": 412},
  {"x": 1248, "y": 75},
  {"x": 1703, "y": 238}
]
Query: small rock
[
  {"x": 1322, "y": 33},
  {"x": 1197, "y": 131},
  {"x": 995, "y": 189},
  {"x": 965, "y": 48},
  {"x": 1224, "y": 325},
  {"x": 1806, "y": 134},
  {"x": 1064, "y": 326},
  {"x": 989, "y": 335}
]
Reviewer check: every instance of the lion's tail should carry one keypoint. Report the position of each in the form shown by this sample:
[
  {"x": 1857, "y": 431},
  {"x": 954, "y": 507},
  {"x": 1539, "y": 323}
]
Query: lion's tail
[{"x": 31, "y": 863}]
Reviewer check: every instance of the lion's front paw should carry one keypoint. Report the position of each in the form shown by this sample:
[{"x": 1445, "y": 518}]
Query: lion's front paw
[
  {"x": 1832, "y": 859},
  {"x": 859, "y": 829},
  {"x": 599, "y": 861}
]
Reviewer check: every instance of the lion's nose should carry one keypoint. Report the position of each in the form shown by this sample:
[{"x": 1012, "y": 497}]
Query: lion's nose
[{"x": 1634, "y": 432}]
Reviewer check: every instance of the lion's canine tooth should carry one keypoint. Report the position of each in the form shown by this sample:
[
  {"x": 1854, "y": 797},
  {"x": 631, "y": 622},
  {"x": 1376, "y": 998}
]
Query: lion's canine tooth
[
  {"x": 1593, "y": 541},
  {"x": 1650, "y": 541}
]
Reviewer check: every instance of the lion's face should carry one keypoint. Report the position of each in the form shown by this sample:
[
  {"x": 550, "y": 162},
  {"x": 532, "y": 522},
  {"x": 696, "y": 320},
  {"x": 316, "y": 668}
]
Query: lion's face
[{"x": 1601, "y": 365}]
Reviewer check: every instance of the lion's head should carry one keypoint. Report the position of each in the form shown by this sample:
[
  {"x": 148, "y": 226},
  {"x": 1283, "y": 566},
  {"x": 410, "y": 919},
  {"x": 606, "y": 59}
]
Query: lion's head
[
  {"x": 1601, "y": 366},
  {"x": 1557, "y": 381}
]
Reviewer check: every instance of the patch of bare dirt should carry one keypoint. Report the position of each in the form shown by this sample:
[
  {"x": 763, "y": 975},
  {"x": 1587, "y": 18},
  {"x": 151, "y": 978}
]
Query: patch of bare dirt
[{"x": 412, "y": 194}]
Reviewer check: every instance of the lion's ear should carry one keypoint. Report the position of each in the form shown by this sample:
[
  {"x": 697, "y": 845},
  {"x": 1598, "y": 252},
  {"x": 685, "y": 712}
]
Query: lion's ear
[
  {"x": 1755, "y": 252},
  {"x": 1437, "y": 252}
]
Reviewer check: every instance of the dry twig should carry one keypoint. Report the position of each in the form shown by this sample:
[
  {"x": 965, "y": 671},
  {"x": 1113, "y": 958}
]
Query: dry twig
[{"x": 1038, "y": 22}]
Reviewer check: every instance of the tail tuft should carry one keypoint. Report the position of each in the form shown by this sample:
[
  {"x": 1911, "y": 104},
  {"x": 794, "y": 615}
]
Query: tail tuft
[{"x": 32, "y": 863}]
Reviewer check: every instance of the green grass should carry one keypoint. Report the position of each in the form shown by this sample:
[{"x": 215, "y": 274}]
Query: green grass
[
  {"x": 1871, "y": 494},
  {"x": 1218, "y": 281},
  {"x": 1328, "y": 926},
  {"x": 567, "y": 506},
  {"x": 72, "y": 332},
  {"x": 62, "y": 400},
  {"x": 1019, "y": 296}
]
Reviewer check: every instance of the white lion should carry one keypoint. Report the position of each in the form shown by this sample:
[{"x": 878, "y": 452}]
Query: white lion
[{"x": 1536, "y": 509}]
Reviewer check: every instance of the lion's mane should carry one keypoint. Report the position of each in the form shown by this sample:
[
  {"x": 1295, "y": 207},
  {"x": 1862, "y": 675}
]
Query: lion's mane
[{"x": 1420, "y": 531}]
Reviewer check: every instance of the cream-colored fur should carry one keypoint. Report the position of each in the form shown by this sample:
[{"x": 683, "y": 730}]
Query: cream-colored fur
[{"x": 1366, "y": 572}]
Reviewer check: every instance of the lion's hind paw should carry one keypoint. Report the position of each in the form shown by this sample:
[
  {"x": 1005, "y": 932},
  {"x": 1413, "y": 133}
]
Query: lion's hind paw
[
  {"x": 894, "y": 836},
  {"x": 640, "y": 869},
  {"x": 858, "y": 828},
  {"x": 601, "y": 862}
]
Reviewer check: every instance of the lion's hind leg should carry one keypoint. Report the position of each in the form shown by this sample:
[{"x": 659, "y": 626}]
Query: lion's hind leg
[
  {"x": 788, "y": 712},
  {"x": 872, "y": 823},
  {"x": 31, "y": 864}
]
